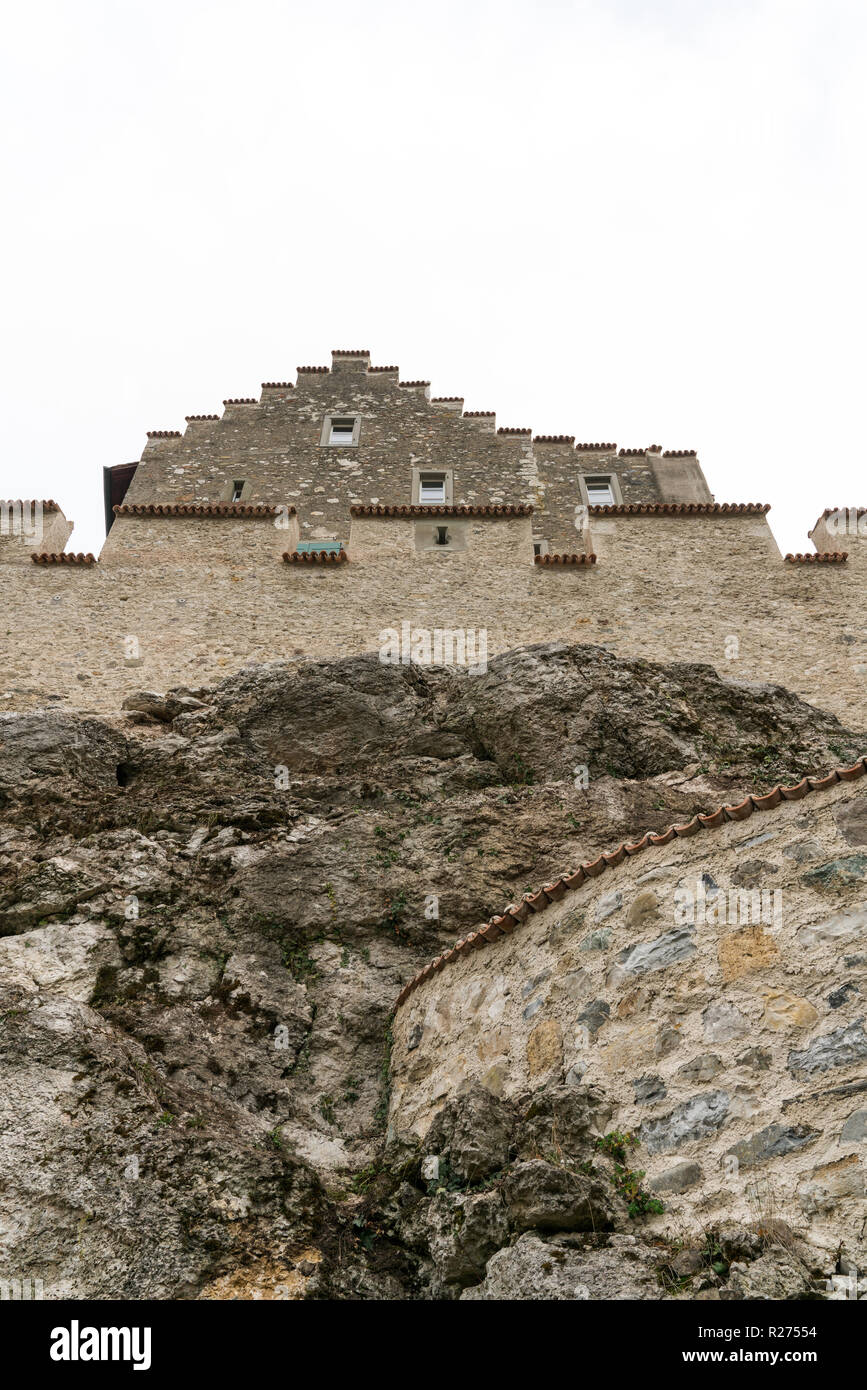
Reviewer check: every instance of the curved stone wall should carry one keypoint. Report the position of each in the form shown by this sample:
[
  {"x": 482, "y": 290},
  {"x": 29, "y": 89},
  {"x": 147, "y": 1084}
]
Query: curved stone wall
[{"x": 716, "y": 988}]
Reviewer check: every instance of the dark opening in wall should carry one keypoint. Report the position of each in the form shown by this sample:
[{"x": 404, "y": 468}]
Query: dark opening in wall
[{"x": 125, "y": 773}]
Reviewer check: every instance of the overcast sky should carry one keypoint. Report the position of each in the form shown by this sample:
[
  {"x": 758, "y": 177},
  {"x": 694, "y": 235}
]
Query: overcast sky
[{"x": 620, "y": 220}]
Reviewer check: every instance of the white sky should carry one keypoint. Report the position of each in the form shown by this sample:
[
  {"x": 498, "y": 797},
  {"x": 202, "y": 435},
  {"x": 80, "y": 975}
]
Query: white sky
[{"x": 619, "y": 220}]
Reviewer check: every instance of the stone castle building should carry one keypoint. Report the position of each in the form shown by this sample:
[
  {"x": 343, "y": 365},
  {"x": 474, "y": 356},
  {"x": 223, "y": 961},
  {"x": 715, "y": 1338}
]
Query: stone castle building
[
  {"x": 349, "y": 503},
  {"x": 351, "y": 512}
]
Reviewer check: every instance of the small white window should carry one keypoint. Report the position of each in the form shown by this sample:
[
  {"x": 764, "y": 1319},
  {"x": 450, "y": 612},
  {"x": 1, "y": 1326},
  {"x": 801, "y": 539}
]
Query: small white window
[
  {"x": 342, "y": 432},
  {"x": 432, "y": 487},
  {"x": 600, "y": 492},
  {"x": 237, "y": 489}
]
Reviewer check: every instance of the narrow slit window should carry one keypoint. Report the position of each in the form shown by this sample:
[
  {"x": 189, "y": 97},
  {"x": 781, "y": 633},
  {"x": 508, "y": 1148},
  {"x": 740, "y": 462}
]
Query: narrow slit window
[
  {"x": 442, "y": 535},
  {"x": 237, "y": 489}
]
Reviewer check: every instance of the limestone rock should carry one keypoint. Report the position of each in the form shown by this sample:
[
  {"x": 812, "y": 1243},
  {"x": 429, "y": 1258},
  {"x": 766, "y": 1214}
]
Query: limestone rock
[
  {"x": 473, "y": 1132},
  {"x": 534, "y": 1268},
  {"x": 546, "y": 1196}
]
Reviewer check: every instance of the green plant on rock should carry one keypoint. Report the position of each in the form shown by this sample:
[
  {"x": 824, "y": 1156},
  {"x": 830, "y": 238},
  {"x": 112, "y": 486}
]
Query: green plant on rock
[{"x": 616, "y": 1145}]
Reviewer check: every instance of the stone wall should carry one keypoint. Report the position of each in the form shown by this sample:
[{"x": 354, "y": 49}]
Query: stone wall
[
  {"x": 205, "y": 596},
  {"x": 729, "y": 1033},
  {"x": 273, "y": 445}
]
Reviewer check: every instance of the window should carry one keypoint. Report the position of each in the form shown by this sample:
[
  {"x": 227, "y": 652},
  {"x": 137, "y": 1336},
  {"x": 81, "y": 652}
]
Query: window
[
  {"x": 432, "y": 487},
  {"x": 540, "y": 547},
  {"x": 341, "y": 430},
  {"x": 442, "y": 535},
  {"x": 600, "y": 491},
  {"x": 237, "y": 489}
]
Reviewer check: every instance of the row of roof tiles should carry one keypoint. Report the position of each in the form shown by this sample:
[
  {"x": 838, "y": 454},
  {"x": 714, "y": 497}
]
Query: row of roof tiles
[
  {"x": 512, "y": 916},
  {"x": 200, "y": 509},
  {"x": 441, "y": 509},
  {"x": 564, "y": 559},
  {"x": 316, "y": 557},
  {"x": 822, "y": 557},
  {"x": 65, "y": 557}
]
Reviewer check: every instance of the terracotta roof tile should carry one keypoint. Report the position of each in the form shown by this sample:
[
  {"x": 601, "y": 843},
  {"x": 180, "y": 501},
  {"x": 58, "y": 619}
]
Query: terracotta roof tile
[
  {"x": 679, "y": 454},
  {"x": 164, "y": 434},
  {"x": 383, "y": 369},
  {"x": 631, "y": 453},
  {"x": 480, "y": 414},
  {"x": 191, "y": 418},
  {"x": 241, "y": 400},
  {"x": 681, "y": 509},
  {"x": 413, "y": 383},
  {"x": 445, "y": 400},
  {"x": 350, "y": 352},
  {"x": 278, "y": 386},
  {"x": 246, "y": 509},
  {"x": 572, "y": 879},
  {"x": 595, "y": 448},
  {"x": 822, "y": 557},
  {"x": 441, "y": 509},
  {"x": 64, "y": 558},
  {"x": 589, "y": 559},
  {"x": 554, "y": 439},
  {"x": 512, "y": 430},
  {"x": 315, "y": 557},
  {"x": 308, "y": 371}
]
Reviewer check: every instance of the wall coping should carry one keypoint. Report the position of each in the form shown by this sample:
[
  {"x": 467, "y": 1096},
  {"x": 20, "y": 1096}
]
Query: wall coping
[
  {"x": 207, "y": 509},
  {"x": 679, "y": 509},
  {"x": 441, "y": 509},
  {"x": 503, "y": 924}
]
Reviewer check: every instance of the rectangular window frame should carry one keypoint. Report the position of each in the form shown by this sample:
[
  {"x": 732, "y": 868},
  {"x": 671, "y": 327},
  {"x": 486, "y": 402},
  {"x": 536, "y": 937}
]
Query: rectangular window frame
[
  {"x": 586, "y": 480},
  {"x": 335, "y": 421},
  {"x": 430, "y": 471}
]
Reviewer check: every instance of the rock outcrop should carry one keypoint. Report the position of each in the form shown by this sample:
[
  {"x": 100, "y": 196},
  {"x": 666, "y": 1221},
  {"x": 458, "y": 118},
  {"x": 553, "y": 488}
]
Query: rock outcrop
[{"x": 208, "y": 906}]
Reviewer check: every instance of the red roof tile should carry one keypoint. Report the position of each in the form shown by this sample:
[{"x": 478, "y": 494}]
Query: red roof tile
[
  {"x": 191, "y": 418},
  {"x": 383, "y": 369},
  {"x": 595, "y": 448},
  {"x": 821, "y": 557},
  {"x": 308, "y": 370},
  {"x": 315, "y": 557},
  {"x": 572, "y": 879},
  {"x": 554, "y": 439},
  {"x": 245, "y": 509},
  {"x": 512, "y": 430},
  {"x": 679, "y": 454},
  {"x": 588, "y": 559},
  {"x": 64, "y": 558},
  {"x": 681, "y": 509},
  {"x": 164, "y": 434},
  {"x": 350, "y": 352},
  {"x": 480, "y": 414},
  {"x": 441, "y": 509},
  {"x": 241, "y": 400},
  {"x": 413, "y": 383}
]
